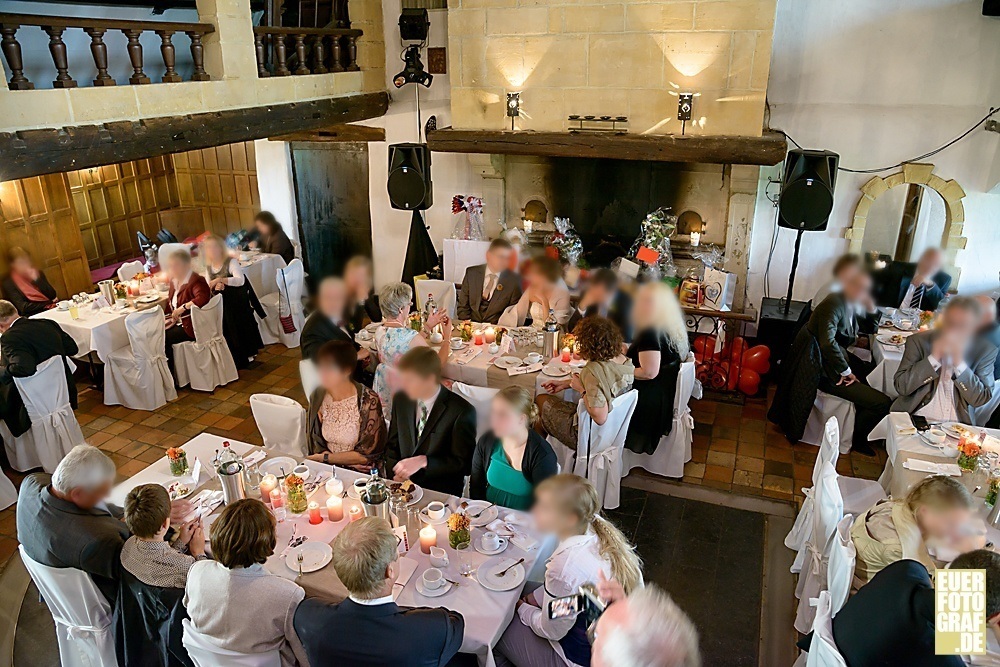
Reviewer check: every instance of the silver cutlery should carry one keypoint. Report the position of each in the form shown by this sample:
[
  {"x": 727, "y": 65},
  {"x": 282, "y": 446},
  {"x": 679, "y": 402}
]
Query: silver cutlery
[
  {"x": 300, "y": 558},
  {"x": 480, "y": 512},
  {"x": 508, "y": 569},
  {"x": 453, "y": 583}
]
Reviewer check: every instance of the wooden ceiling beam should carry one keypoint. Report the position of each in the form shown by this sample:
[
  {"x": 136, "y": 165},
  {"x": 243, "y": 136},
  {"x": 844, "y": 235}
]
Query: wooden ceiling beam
[
  {"x": 768, "y": 149},
  {"x": 336, "y": 133}
]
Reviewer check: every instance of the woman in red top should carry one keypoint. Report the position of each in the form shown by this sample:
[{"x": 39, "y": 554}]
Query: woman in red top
[
  {"x": 187, "y": 289},
  {"x": 26, "y": 286}
]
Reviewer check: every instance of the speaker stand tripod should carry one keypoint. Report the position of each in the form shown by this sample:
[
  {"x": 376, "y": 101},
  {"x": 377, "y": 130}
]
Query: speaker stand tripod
[{"x": 791, "y": 276}]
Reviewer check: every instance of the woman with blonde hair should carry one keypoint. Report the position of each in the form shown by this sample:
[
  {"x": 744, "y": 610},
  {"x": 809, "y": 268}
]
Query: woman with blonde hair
[
  {"x": 224, "y": 274},
  {"x": 659, "y": 348},
  {"x": 589, "y": 547},
  {"x": 937, "y": 513},
  {"x": 511, "y": 459}
]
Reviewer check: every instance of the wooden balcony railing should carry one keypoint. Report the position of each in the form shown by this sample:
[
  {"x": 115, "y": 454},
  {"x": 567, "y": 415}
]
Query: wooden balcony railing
[
  {"x": 313, "y": 50},
  {"x": 55, "y": 26}
]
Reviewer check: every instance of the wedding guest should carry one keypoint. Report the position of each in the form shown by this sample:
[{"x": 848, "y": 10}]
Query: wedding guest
[
  {"x": 432, "y": 433},
  {"x": 273, "y": 239},
  {"x": 821, "y": 358},
  {"x": 363, "y": 306},
  {"x": 845, "y": 265},
  {"x": 546, "y": 291},
  {"x": 239, "y": 301},
  {"x": 328, "y": 321},
  {"x": 989, "y": 327},
  {"x": 396, "y": 337},
  {"x": 25, "y": 344},
  {"x": 511, "y": 459},
  {"x": 947, "y": 370},
  {"x": 147, "y": 555},
  {"x": 64, "y": 519},
  {"x": 232, "y": 600},
  {"x": 346, "y": 425},
  {"x": 607, "y": 375},
  {"x": 603, "y": 297},
  {"x": 920, "y": 286},
  {"x": 660, "y": 346},
  {"x": 187, "y": 289},
  {"x": 589, "y": 547},
  {"x": 489, "y": 289},
  {"x": 26, "y": 286},
  {"x": 936, "y": 512},
  {"x": 368, "y": 629}
]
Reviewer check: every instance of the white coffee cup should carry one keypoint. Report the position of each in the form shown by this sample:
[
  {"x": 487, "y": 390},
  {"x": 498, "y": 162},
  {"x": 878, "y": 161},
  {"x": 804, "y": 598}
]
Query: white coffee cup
[
  {"x": 494, "y": 348},
  {"x": 302, "y": 470},
  {"x": 435, "y": 510},
  {"x": 439, "y": 557},
  {"x": 436, "y": 338},
  {"x": 935, "y": 435},
  {"x": 456, "y": 343},
  {"x": 491, "y": 541},
  {"x": 433, "y": 579},
  {"x": 533, "y": 358}
]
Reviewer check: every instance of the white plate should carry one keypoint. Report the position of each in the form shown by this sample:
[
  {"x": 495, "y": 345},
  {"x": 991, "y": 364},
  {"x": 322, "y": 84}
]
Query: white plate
[
  {"x": 507, "y": 362},
  {"x": 435, "y": 522},
  {"x": 486, "y": 574},
  {"x": 190, "y": 490},
  {"x": 557, "y": 369},
  {"x": 486, "y": 517},
  {"x": 427, "y": 593},
  {"x": 415, "y": 495},
  {"x": 315, "y": 556},
  {"x": 887, "y": 340},
  {"x": 149, "y": 298},
  {"x": 274, "y": 466},
  {"x": 951, "y": 430},
  {"x": 461, "y": 346},
  {"x": 478, "y": 544}
]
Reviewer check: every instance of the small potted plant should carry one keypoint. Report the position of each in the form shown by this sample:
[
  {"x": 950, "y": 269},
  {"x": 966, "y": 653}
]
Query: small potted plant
[
  {"x": 968, "y": 454},
  {"x": 178, "y": 461},
  {"x": 459, "y": 530},
  {"x": 295, "y": 491}
]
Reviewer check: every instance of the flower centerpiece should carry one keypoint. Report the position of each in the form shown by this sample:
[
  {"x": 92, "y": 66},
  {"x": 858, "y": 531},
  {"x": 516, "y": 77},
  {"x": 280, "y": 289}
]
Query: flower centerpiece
[
  {"x": 459, "y": 529},
  {"x": 121, "y": 291},
  {"x": 968, "y": 454},
  {"x": 465, "y": 330},
  {"x": 416, "y": 321},
  {"x": 178, "y": 461},
  {"x": 926, "y": 319},
  {"x": 295, "y": 491}
]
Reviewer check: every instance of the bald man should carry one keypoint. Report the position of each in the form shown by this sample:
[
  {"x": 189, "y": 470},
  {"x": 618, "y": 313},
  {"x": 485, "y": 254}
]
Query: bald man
[
  {"x": 328, "y": 322},
  {"x": 920, "y": 286}
]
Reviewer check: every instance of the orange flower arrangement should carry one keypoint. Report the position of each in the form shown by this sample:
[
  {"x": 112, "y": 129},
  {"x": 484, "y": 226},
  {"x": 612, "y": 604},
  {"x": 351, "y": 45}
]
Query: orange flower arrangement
[
  {"x": 968, "y": 454},
  {"x": 174, "y": 453}
]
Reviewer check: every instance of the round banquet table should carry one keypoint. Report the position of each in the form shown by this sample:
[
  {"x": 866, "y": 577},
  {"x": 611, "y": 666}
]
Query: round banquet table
[{"x": 260, "y": 269}]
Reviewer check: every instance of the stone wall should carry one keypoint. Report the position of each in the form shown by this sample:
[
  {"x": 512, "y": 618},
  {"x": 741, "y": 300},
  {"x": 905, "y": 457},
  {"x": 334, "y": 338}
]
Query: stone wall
[{"x": 611, "y": 58}]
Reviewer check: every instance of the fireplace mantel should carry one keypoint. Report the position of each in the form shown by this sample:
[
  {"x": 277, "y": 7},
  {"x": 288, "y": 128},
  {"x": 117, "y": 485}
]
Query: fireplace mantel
[{"x": 768, "y": 149}]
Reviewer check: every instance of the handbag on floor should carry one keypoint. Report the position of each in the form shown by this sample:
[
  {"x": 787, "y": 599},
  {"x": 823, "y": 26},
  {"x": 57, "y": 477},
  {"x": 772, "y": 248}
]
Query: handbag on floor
[{"x": 287, "y": 321}]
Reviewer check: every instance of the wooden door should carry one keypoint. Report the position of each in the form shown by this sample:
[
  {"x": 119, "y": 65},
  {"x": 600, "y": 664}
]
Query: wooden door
[{"x": 331, "y": 198}]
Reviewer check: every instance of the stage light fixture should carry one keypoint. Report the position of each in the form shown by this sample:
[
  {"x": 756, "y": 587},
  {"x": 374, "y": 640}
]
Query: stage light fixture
[
  {"x": 413, "y": 70},
  {"x": 414, "y": 24},
  {"x": 513, "y": 107}
]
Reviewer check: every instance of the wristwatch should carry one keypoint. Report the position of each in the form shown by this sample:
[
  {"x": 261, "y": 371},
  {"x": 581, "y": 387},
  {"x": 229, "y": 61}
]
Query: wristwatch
[{"x": 326, "y": 457}]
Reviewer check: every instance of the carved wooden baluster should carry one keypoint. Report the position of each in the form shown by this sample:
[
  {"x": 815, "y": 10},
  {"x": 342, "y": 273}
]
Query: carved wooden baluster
[
  {"x": 300, "y": 51},
  {"x": 198, "y": 56},
  {"x": 57, "y": 47},
  {"x": 12, "y": 53},
  {"x": 319, "y": 56},
  {"x": 258, "y": 45},
  {"x": 352, "y": 53},
  {"x": 336, "y": 54},
  {"x": 135, "y": 56},
  {"x": 280, "y": 57},
  {"x": 100, "y": 52},
  {"x": 169, "y": 56}
]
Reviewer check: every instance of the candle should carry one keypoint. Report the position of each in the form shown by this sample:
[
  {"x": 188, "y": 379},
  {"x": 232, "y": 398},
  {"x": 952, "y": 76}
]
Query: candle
[
  {"x": 428, "y": 538},
  {"x": 335, "y": 508},
  {"x": 527, "y": 224},
  {"x": 355, "y": 513},
  {"x": 335, "y": 487},
  {"x": 695, "y": 238},
  {"x": 491, "y": 335},
  {"x": 276, "y": 500},
  {"x": 314, "y": 516},
  {"x": 565, "y": 355},
  {"x": 267, "y": 484},
  {"x": 477, "y": 337}
]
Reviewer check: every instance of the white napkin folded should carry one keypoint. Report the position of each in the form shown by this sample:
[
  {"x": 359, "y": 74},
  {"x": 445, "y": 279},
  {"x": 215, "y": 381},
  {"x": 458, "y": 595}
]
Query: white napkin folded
[
  {"x": 524, "y": 542},
  {"x": 920, "y": 465},
  {"x": 255, "y": 456},
  {"x": 467, "y": 356},
  {"x": 407, "y": 566}
]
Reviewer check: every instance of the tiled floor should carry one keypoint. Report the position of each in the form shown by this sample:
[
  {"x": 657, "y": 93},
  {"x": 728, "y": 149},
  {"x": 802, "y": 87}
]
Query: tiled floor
[{"x": 735, "y": 448}]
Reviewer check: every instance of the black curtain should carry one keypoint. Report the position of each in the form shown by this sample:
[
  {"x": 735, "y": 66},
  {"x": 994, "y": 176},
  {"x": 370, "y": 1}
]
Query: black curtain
[{"x": 421, "y": 257}]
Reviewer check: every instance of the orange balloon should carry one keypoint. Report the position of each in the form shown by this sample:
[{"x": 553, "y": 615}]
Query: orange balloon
[
  {"x": 749, "y": 382},
  {"x": 756, "y": 359}
]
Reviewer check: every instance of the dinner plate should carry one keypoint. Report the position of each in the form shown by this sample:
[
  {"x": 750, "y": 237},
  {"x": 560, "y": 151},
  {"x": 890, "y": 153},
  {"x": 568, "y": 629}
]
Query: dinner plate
[
  {"x": 179, "y": 496},
  {"x": 274, "y": 466},
  {"x": 956, "y": 430},
  {"x": 488, "y": 516},
  {"x": 435, "y": 522},
  {"x": 507, "y": 362},
  {"x": 148, "y": 298},
  {"x": 415, "y": 495},
  {"x": 557, "y": 369},
  {"x": 478, "y": 544},
  {"x": 487, "y": 574},
  {"x": 886, "y": 339},
  {"x": 428, "y": 593},
  {"x": 315, "y": 556}
]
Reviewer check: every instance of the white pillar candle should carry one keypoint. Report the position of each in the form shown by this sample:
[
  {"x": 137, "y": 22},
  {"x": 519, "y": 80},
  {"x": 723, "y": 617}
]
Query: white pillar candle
[
  {"x": 428, "y": 538},
  {"x": 335, "y": 508}
]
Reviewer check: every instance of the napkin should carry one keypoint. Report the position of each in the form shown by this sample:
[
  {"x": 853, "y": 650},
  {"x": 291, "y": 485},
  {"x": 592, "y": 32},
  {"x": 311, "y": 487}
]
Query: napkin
[
  {"x": 920, "y": 465},
  {"x": 524, "y": 542},
  {"x": 467, "y": 356},
  {"x": 407, "y": 566},
  {"x": 522, "y": 370},
  {"x": 205, "y": 501},
  {"x": 253, "y": 457}
]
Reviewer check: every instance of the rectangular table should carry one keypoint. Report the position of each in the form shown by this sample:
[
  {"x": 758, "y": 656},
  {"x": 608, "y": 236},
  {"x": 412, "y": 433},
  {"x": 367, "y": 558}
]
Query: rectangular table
[
  {"x": 99, "y": 332},
  {"x": 886, "y": 358},
  {"x": 486, "y": 613}
]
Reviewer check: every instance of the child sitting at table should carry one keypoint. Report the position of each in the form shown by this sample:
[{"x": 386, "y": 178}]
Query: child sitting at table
[{"x": 147, "y": 555}]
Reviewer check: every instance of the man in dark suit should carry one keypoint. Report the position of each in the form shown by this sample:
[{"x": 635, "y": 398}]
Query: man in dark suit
[
  {"x": 602, "y": 297},
  {"x": 25, "y": 344},
  {"x": 368, "y": 629},
  {"x": 432, "y": 433},
  {"x": 908, "y": 285},
  {"x": 488, "y": 289},
  {"x": 327, "y": 322}
]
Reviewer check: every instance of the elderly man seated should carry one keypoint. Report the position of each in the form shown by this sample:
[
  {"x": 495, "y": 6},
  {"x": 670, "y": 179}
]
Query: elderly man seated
[{"x": 922, "y": 285}]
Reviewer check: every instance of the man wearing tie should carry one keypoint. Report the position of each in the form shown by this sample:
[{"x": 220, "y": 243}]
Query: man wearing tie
[
  {"x": 488, "y": 289},
  {"x": 919, "y": 286}
]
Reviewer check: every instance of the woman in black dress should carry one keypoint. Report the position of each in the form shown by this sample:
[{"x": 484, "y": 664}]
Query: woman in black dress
[
  {"x": 273, "y": 238},
  {"x": 26, "y": 287},
  {"x": 239, "y": 302},
  {"x": 362, "y": 301},
  {"x": 660, "y": 344}
]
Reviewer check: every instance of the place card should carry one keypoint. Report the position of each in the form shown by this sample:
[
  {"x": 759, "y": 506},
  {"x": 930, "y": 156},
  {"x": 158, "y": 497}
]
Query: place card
[
  {"x": 506, "y": 346},
  {"x": 920, "y": 465},
  {"x": 628, "y": 268},
  {"x": 404, "y": 541},
  {"x": 521, "y": 370},
  {"x": 196, "y": 471}
]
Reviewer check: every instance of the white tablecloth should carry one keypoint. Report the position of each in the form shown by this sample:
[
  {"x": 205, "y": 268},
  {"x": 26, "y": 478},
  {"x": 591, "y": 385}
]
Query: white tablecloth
[
  {"x": 887, "y": 358},
  {"x": 486, "y": 613},
  {"x": 101, "y": 331},
  {"x": 260, "y": 270}
]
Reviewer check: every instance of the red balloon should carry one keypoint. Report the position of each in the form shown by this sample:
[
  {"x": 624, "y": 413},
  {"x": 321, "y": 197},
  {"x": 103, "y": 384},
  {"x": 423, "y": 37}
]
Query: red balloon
[
  {"x": 731, "y": 375},
  {"x": 735, "y": 348},
  {"x": 704, "y": 345},
  {"x": 749, "y": 382},
  {"x": 756, "y": 359}
]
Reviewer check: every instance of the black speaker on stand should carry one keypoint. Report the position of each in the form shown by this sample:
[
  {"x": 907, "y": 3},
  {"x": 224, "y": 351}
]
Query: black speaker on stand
[
  {"x": 991, "y": 7},
  {"x": 409, "y": 181}
]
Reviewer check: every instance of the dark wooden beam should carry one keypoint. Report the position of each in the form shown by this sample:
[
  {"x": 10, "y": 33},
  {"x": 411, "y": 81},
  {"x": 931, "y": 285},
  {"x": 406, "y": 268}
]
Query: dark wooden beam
[
  {"x": 35, "y": 152},
  {"x": 336, "y": 133},
  {"x": 766, "y": 150}
]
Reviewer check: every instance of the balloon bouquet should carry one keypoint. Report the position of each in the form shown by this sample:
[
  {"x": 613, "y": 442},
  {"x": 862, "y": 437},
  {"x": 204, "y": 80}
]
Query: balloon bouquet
[{"x": 736, "y": 365}]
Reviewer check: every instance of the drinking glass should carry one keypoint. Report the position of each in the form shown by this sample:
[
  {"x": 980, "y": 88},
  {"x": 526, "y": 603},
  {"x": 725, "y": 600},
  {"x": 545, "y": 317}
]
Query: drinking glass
[{"x": 74, "y": 310}]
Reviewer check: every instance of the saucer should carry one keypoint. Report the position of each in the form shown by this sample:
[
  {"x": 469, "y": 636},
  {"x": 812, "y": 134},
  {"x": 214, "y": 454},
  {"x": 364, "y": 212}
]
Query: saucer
[
  {"x": 427, "y": 593},
  {"x": 478, "y": 544},
  {"x": 435, "y": 522}
]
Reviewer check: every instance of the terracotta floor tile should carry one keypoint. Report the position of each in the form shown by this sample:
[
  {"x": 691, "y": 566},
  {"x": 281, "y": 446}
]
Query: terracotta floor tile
[
  {"x": 116, "y": 428},
  {"x": 749, "y": 464},
  {"x": 718, "y": 484},
  {"x": 133, "y": 449},
  {"x": 99, "y": 437},
  {"x": 208, "y": 419},
  {"x": 727, "y": 432},
  {"x": 718, "y": 473},
  {"x": 751, "y": 437},
  {"x": 699, "y": 455},
  {"x": 749, "y": 449},
  {"x": 747, "y": 478},
  {"x": 723, "y": 445},
  {"x": 773, "y": 454},
  {"x": 722, "y": 459},
  {"x": 777, "y": 483},
  {"x": 228, "y": 422},
  {"x": 692, "y": 469},
  {"x": 115, "y": 443},
  {"x": 8, "y": 546}
]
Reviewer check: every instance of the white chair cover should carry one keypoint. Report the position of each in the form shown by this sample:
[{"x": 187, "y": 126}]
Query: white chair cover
[
  {"x": 138, "y": 376},
  {"x": 598, "y": 455},
  {"x": 840, "y": 569},
  {"x": 673, "y": 450},
  {"x": 128, "y": 270},
  {"x": 828, "y": 511},
  {"x": 480, "y": 397},
  {"x": 281, "y": 422},
  {"x": 291, "y": 283},
  {"x": 8, "y": 494},
  {"x": 54, "y": 429},
  {"x": 979, "y": 416},
  {"x": 310, "y": 377},
  {"x": 823, "y": 650},
  {"x": 81, "y": 613},
  {"x": 206, "y": 362},
  {"x": 204, "y": 653},
  {"x": 825, "y": 407},
  {"x": 828, "y": 453},
  {"x": 168, "y": 249},
  {"x": 444, "y": 293}
]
